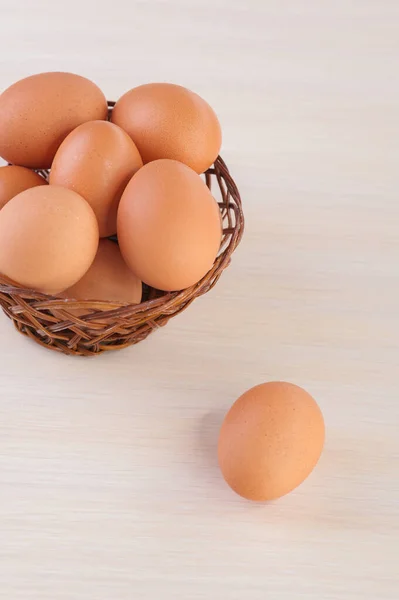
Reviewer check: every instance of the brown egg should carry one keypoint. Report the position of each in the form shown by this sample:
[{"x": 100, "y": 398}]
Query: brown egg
[
  {"x": 97, "y": 160},
  {"x": 37, "y": 113},
  {"x": 170, "y": 121},
  {"x": 48, "y": 238},
  {"x": 14, "y": 180},
  {"x": 108, "y": 278},
  {"x": 168, "y": 226},
  {"x": 270, "y": 440}
]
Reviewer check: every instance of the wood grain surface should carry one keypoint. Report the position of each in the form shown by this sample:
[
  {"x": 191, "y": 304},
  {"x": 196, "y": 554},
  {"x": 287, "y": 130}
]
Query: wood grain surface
[{"x": 109, "y": 486}]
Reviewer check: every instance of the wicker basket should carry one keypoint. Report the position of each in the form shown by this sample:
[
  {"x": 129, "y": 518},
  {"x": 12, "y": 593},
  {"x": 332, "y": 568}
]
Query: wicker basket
[{"x": 53, "y": 322}]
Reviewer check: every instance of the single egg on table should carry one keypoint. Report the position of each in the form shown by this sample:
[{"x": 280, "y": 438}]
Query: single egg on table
[
  {"x": 38, "y": 112},
  {"x": 97, "y": 160},
  {"x": 14, "y": 180},
  {"x": 169, "y": 121},
  {"x": 108, "y": 279},
  {"x": 270, "y": 440},
  {"x": 48, "y": 238},
  {"x": 169, "y": 226}
]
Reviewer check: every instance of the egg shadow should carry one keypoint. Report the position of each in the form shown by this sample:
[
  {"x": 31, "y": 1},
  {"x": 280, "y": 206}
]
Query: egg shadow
[
  {"x": 206, "y": 464},
  {"x": 207, "y": 440}
]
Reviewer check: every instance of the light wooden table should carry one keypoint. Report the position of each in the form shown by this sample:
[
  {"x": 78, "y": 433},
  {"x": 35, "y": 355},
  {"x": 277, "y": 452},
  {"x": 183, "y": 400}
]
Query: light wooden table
[{"x": 109, "y": 487}]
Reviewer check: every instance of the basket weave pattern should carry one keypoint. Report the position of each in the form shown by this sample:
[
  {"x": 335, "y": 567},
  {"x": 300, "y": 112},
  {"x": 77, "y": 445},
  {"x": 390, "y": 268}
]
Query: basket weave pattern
[{"x": 55, "y": 324}]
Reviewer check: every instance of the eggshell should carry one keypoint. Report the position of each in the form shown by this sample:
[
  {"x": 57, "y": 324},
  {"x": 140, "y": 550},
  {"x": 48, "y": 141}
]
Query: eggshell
[
  {"x": 170, "y": 121},
  {"x": 48, "y": 238},
  {"x": 108, "y": 278},
  {"x": 270, "y": 440},
  {"x": 97, "y": 160},
  {"x": 14, "y": 180},
  {"x": 169, "y": 227},
  {"x": 38, "y": 112}
]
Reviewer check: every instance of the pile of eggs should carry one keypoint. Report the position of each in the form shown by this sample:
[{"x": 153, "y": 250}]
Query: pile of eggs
[{"x": 135, "y": 174}]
